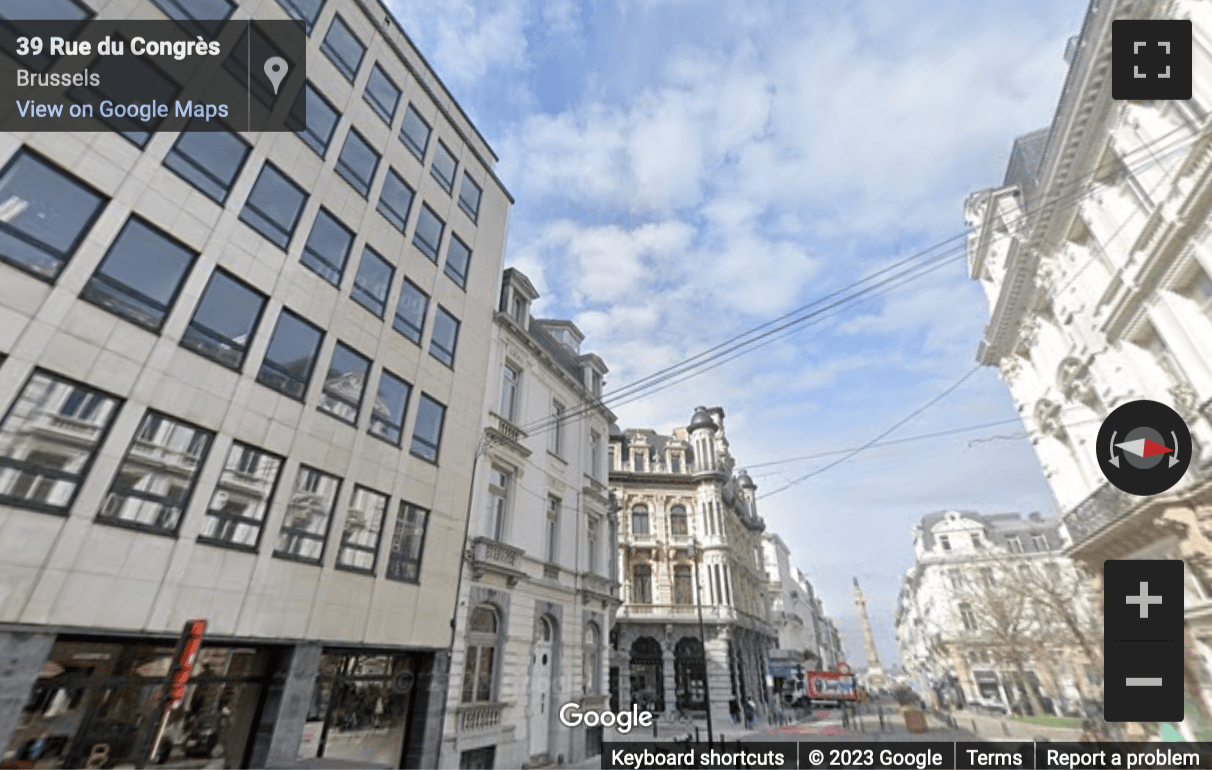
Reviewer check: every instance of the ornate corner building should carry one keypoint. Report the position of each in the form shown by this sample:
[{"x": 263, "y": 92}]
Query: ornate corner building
[
  {"x": 1096, "y": 256},
  {"x": 690, "y": 538}
]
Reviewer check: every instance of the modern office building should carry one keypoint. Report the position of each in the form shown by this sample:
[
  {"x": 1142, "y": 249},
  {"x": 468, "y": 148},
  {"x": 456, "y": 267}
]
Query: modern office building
[{"x": 241, "y": 379}]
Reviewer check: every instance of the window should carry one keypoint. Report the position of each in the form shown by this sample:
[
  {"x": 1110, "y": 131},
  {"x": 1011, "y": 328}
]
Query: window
[
  {"x": 48, "y": 441},
  {"x": 382, "y": 94},
  {"x": 274, "y": 206},
  {"x": 395, "y": 200},
  {"x": 1053, "y": 571},
  {"x": 1014, "y": 543},
  {"x": 1198, "y": 289},
  {"x": 977, "y": 543},
  {"x": 510, "y": 381},
  {"x": 225, "y": 320},
  {"x": 987, "y": 578},
  {"x": 1024, "y": 573},
  {"x": 967, "y": 616},
  {"x": 321, "y": 122},
  {"x": 345, "y": 383},
  {"x": 415, "y": 132},
  {"x": 343, "y": 48},
  {"x": 445, "y": 336},
  {"x": 140, "y": 275},
  {"x": 198, "y": 17},
  {"x": 410, "y": 311},
  {"x": 428, "y": 236},
  {"x": 953, "y": 576},
  {"x": 553, "y": 529},
  {"x": 639, "y": 520},
  {"x": 590, "y": 675},
  {"x": 683, "y": 590},
  {"x": 157, "y": 476},
  {"x": 595, "y": 454},
  {"x": 242, "y": 497},
  {"x": 675, "y": 463},
  {"x": 678, "y": 524},
  {"x": 44, "y": 214},
  {"x": 372, "y": 282},
  {"x": 308, "y": 515},
  {"x": 305, "y": 11},
  {"x": 469, "y": 197},
  {"x": 327, "y": 247},
  {"x": 639, "y": 459},
  {"x": 387, "y": 416},
  {"x": 479, "y": 759},
  {"x": 557, "y": 428},
  {"x": 357, "y": 162},
  {"x": 407, "y": 544},
  {"x": 127, "y": 80},
  {"x": 945, "y": 542},
  {"x": 443, "y": 168},
  {"x": 498, "y": 502},
  {"x": 291, "y": 355},
  {"x": 363, "y": 528},
  {"x": 1039, "y": 542},
  {"x": 427, "y": 435},
  {"x": 591, "y": 543},
  {"x": 458, "y": 259},
  {"x": 481, "y": 656},
  {"x": 641, "y": 584},
  {"x": 208, "y": 160}
]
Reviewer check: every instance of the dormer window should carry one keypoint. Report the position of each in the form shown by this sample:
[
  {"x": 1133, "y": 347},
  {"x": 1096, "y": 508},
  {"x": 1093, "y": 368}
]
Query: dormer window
[
  {"x": 517, "y": 309},
  {"x": 945, "y": 542},
  {"x": 675, "y": 462},
  {"x": 977, "y": 543}
]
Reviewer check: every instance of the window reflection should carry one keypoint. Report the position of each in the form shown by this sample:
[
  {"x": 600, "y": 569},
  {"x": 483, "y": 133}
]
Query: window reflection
[{"x": 359, "y": 708}]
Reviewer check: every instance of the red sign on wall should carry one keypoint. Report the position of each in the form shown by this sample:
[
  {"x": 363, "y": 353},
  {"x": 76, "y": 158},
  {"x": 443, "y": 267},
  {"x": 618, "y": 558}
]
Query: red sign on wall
[{"x": 831, "y": 685}]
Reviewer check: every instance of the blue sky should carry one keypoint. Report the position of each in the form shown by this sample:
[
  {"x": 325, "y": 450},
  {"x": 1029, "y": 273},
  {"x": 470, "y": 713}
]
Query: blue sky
[{"x": 687, "y": 170}]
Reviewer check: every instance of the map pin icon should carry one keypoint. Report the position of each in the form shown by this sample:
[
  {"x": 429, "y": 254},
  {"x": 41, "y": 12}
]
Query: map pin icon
[{"x": 275, "y": 69}]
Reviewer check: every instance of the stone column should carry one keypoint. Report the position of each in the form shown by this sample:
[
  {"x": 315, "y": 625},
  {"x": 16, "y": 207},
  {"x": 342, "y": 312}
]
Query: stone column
[
  {"x": 427, "y": 717},
  {"x": 22, "y": 655},
  {"x": 286, "y": 709}
]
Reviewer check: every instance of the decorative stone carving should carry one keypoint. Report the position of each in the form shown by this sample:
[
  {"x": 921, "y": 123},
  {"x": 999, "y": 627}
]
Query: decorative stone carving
[
  {"x": 1047, "y": 418},
  {"x": 1029, "y": 333},
  {"x": 1011, "y": 366},
  {"x": 1075, "y": 382},
  {"x": 1186, "y": 399}
]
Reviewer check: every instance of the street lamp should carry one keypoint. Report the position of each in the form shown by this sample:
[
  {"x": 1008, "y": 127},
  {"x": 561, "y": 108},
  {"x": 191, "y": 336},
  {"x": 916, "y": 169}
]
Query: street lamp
[{"x": 693, "y": 552}]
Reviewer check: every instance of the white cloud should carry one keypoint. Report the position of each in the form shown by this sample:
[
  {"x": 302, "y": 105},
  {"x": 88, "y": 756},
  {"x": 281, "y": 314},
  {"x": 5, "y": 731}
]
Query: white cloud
[{"x": 466, "y": 40}]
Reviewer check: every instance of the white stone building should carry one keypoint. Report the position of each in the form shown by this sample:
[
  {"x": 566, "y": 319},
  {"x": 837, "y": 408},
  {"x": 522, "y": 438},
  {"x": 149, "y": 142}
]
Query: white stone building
[
  {"x": 538, "y": 595},
  {"x": 240, "y": 380},
  {"x": 794, "y": 614},
  {"x": 1096, "y": 256}
]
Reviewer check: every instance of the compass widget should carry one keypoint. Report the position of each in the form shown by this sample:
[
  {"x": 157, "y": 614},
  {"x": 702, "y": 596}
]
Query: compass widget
[{"x": 1144, "y": 448}]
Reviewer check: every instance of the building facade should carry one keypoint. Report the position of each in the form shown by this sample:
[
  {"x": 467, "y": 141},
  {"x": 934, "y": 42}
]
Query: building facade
[
  {"x": 690, "y": 538},
  {"x": 1096, "y": 256},
  {"x": 240, "y": 380},
  {"x": 538, "y": 597},
  {"x": 794, "y": 615}
]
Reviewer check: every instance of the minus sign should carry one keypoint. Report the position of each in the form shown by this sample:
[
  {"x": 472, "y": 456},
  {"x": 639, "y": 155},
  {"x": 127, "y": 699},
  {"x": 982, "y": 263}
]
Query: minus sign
[
  {"x": 1144, "y": 681},
  {"x": 1142, "y": 640}
]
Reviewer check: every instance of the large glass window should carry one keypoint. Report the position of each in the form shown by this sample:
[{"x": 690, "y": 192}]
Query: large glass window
[
  {"x": 140, "y": 276},
  {"x": 360, "y": 709},
  {"x": 274, "y": 205},
  {"x": 322, "y": 119},
  {"x": 209, "y": 160},
  {"x": 48, "y": 441},
  {"x": 415, "y": 132},
  {"x": 198, "y": 17},
  {"x": 363, "y": 528},
  {"x": 242, "y": 497},
  {"x": 291, "y": 356},
  {"x": 410, "y": 311},
  {"x": 382, "y": 94},
  {"x": 357, "y": 162},
  {"x": 157, "y": 476},
  {"x": 391, "y": 404},
  {"x": 126, "y": 79},
  {"x": 327, "y": 247},
  {"x": 458, "y": 260},
  {"x": 445, "y": 336},
  {"x": 427, "y": 435},
  {"x": 469, "y": 197},
  {"x": 481, "y": 655},
  {"x": 443, "y": 168},
  {"x": 407, "y": 544},
  {"x": 44, "y": 214},
  {"x": 225, "y": 320},
  {"x": 372, "y": 282},
  {"x": 345, "y": 383},
  {"x": 308, "y": 515},
  {"x": 343, "y": 48},
  {"x": 395, "y": 200},
  {"x": 305, "y": 11},
  {"x": 428, "y": 237}
]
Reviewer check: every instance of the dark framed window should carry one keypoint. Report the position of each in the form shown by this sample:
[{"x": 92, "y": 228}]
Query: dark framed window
[
  {"x": 198, "y": 17},
  {"x": 363, "y": 529},
  {"x": 209, "y": 160},
  {"x": 274, "y": 205},
  {"x": 382, "y": 94},
  {"x": 140, "y": 275},
  {"x": 407, "y": 544},
  {"x": 391, "y": 405},
  {"x": 322, "y": 119},
  {"x": 225, "y": 320},
  {"x": 683, "y": 590},
  {"x": 127, "y": 80},
  {"x": 443, "y": 168},
  {"x": 236, "y": 514},
  {"x": 410, "y": 311},
  {"x": 428, "y": 237},
  {"x": 480, "y": 661},
  {"x": 458, "y": 260},
  {"x": 639, "y": 520},
  {"x": 427, "y": 434},
  {"x": 445, "y": 336},
  {"x": 373, "y": 282},
  {"x": 679, "y": 524},
  {"x": 158, "y": 474},
  {"x": 44, "y": 214},
  {"x": 357, "y": 162},
  {"x": 291, "y": 356},
  {"x": 343, "y": 48},
  {"x": 305, "y": 11},
  {"x": 395, "y": 200},
  {"x": 345, "y": 383},
  {"x": 327, "y": 247},
  {"x": 414, "y": 133},
  {"x": 469, "y": 197},
  {"x": 641, "y": 584},
  {"x": 308, "y": 516},
  {"x": 13, "y": 12},
  {"x": 48, "y": 441}
]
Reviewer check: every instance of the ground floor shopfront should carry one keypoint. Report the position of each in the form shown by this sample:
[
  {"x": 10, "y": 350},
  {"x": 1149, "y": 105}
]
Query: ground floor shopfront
[{"x": 78, "y": 699}]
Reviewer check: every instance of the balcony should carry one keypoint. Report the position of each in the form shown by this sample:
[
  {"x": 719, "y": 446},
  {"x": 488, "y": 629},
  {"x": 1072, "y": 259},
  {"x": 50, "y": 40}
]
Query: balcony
[
  {"x": 551, "y": 572},
  {"x": 478, "y": 717},
  {"x": 596, "y": 489},
  {"x": 598, "y": 587},
  {"x": 1101, "y": 509},
  {"x": 490, "y": 556},
  {"x": 504, "y": 432}
]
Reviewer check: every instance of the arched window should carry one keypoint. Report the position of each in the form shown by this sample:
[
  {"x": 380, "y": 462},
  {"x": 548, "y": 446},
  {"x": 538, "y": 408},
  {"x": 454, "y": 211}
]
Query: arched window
[
  {"x": 641, "y": 584},
  {"x": 639, "y": 520},
  {"x": 589, "y": 647},
  {"x": 481, "y": 655},
  {"x": 677, "y": 521}
]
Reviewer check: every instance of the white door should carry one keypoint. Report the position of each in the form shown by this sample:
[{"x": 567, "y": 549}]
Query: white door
[{"x": 540, "y": 689}]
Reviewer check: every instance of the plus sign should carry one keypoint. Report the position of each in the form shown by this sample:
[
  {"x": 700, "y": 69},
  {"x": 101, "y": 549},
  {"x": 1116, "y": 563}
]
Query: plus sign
[{"x": 1144, "y": 600}]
